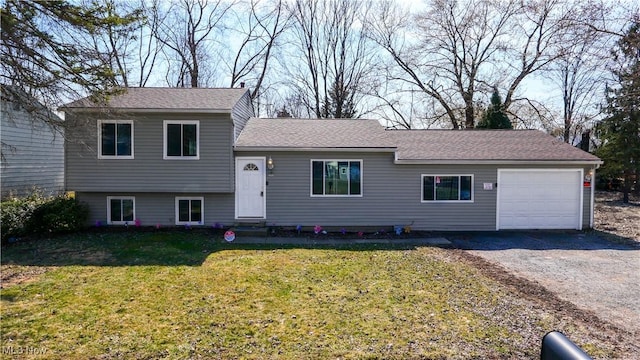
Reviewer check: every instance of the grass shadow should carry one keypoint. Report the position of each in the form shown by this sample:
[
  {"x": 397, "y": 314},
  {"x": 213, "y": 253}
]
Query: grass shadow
[{"x": 167, "y": 247}]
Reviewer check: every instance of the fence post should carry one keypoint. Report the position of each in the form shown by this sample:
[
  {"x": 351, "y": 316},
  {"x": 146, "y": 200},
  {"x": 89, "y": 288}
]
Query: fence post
[{"x": 556, "y": 346}]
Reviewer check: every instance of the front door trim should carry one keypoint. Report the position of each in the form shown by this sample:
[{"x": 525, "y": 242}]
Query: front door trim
[{"x": 239, "y": 164}]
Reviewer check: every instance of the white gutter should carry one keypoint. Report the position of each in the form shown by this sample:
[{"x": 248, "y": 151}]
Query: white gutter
[
  {"x": 146, "y": 111},
  {"x": 313, "y": 149},
  {"x": 496, "y": 162}
]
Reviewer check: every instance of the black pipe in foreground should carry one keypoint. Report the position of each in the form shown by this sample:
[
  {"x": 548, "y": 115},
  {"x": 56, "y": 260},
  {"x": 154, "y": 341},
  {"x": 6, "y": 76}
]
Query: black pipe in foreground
[{"x": 556, "y": 346}]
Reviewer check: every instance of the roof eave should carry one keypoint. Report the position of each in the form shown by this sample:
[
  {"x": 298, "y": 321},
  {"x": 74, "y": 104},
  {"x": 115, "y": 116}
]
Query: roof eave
[
  {"x": 145, "y": 111},
  {"x": 494, "y": 162},
  {"x": 314, "y": 149}
]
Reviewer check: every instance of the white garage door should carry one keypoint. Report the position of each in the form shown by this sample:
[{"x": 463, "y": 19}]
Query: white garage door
[{"x": 539, "y": 199}]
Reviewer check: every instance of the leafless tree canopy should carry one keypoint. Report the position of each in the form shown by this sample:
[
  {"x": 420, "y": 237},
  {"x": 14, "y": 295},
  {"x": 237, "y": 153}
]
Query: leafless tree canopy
[
  {"x": 334, "y": 55},
  {"x": 435, "y": 65}
]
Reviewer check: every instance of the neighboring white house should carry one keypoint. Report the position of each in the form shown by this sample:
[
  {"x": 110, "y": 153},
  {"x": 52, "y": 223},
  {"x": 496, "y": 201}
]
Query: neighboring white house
[{"x": 32, "y": 149}]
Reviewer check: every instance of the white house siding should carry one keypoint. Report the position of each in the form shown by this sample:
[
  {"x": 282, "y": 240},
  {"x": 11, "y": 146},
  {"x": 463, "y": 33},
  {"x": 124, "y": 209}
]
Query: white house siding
[
  {"x": 33, "y": 153},
  {"x": 391, "y": 195},
  {"x": 148, "y": 171},
  {"x": 159, "y": 208}
]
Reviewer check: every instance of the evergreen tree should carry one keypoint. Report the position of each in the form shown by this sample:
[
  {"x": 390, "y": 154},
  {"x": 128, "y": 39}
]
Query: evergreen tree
[
  {"x": 340, "y": 103},
  {"x": 47, "y": 48},
  {"x": 495, "y": 116},
  {"x": 620, "y": 131},
  {"x": 283, "y": 113}
]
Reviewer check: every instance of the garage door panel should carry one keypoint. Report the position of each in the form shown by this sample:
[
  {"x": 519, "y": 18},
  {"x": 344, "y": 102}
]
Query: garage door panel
[{"x": 539, "y": 199}]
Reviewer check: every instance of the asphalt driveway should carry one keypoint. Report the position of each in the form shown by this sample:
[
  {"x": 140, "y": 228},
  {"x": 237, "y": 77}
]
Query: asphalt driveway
[{"x": 583, "y": 268}]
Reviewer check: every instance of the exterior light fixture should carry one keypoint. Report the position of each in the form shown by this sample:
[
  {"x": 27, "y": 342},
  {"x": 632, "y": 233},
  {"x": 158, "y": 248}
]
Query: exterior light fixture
[{"x": 270, "y": 165}]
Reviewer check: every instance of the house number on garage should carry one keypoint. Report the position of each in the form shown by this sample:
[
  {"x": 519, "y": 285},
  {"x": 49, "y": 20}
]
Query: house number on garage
[{"x": 488, "y": 186}]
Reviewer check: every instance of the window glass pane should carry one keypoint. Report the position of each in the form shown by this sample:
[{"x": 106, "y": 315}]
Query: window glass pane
[
  {"x": 447, "y": 187},
  {"x": 465, "y": 187},
  {"x": 124, "y": 139},
  {"x": 354, "y": 178},
  {"x": 108, "y": 139},
  {"x": 331, "y": 177},
  {"x": 116, "y": 210},
  {"x": 196, "y": 210},
  {"x": 183, "y": 210},
  {"x": 342, "y": 178},
  {"x": 189, "y": 140},
  {"x": 127, "y": 210},
  {"x": 427, "y": 188},
  {"x": 317, "y": 167},
  {"x": 174, "y": 139}
]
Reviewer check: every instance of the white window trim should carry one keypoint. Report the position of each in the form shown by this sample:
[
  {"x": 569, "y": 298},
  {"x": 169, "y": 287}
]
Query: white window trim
[
  {"x": 164, "y": 139},
  {"x": 177, "y": 210},
  {"x": 109, "y": 198},
  {"x": 100, "y": 122},
  {"x": 335, "y": 195},
  {"x": 473, "y": 195}
]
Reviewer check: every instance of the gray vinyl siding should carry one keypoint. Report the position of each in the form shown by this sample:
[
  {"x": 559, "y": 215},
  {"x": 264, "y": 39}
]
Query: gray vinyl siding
[
  {"x": 148, "y": 171},
  {"x": 159, "y": 208},
  {"x": 33, "y": 153},
  {"x": 586, "y": 205},
  {"x": 586, "y": 208},
  {"x": 242, "y": 111},
  {"x": 391, "y": 195}
]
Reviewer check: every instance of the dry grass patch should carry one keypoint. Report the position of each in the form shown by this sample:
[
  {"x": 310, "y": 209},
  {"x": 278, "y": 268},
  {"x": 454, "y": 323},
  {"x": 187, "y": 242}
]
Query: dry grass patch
[{"x": 613, "y": 216}]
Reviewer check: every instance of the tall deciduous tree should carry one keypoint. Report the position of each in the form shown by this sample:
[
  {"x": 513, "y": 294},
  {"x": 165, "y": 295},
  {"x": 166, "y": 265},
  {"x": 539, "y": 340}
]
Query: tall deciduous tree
[
  {"x": 188, "y": 31},
  {"x": 260, "y": 26},
  {"x": 579, "y": 75},
  {"x": 454, "y": 49},
  {"x": 330, "y": 37},
  {"x": 620, "y": 131}
]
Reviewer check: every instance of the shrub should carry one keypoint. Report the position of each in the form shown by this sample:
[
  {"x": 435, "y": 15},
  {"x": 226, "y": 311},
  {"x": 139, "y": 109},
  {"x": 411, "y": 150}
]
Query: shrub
[
  {"x": 16, "y": 211},
  {"x": 58, "y": 215},
  {"x": 38, "y": 214}
]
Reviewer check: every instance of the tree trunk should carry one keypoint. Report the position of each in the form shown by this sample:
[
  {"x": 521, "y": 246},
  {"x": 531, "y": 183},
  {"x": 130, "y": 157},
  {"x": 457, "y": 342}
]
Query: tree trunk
[
  {"x": 626, "y": 187},
  {"x": 469, "y": 113}
]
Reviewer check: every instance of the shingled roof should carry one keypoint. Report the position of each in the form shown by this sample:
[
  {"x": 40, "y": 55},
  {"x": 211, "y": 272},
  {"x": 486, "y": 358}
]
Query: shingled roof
[
  {"x": 484, "y": 145},
  {"x": 168, "y": 99},
  {"x": 410, "y": 146},
  {"x": 300, "y": 134}
]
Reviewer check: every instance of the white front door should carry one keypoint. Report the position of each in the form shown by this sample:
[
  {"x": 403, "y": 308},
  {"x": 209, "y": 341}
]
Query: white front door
[{"x": 250, "y": 187}]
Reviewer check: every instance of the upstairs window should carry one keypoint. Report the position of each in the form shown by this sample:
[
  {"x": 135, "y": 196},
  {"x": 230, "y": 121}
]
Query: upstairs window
[
  {"x": 181, "y": 140},
  {"x": 336, "y": 178},
  {"x": 115, "y": 139},
  {"x": 447, "y": 188}
]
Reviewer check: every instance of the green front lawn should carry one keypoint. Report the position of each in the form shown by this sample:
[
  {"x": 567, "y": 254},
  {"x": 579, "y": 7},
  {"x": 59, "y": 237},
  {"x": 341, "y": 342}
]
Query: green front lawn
[{"x": 188, "y": 295}]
